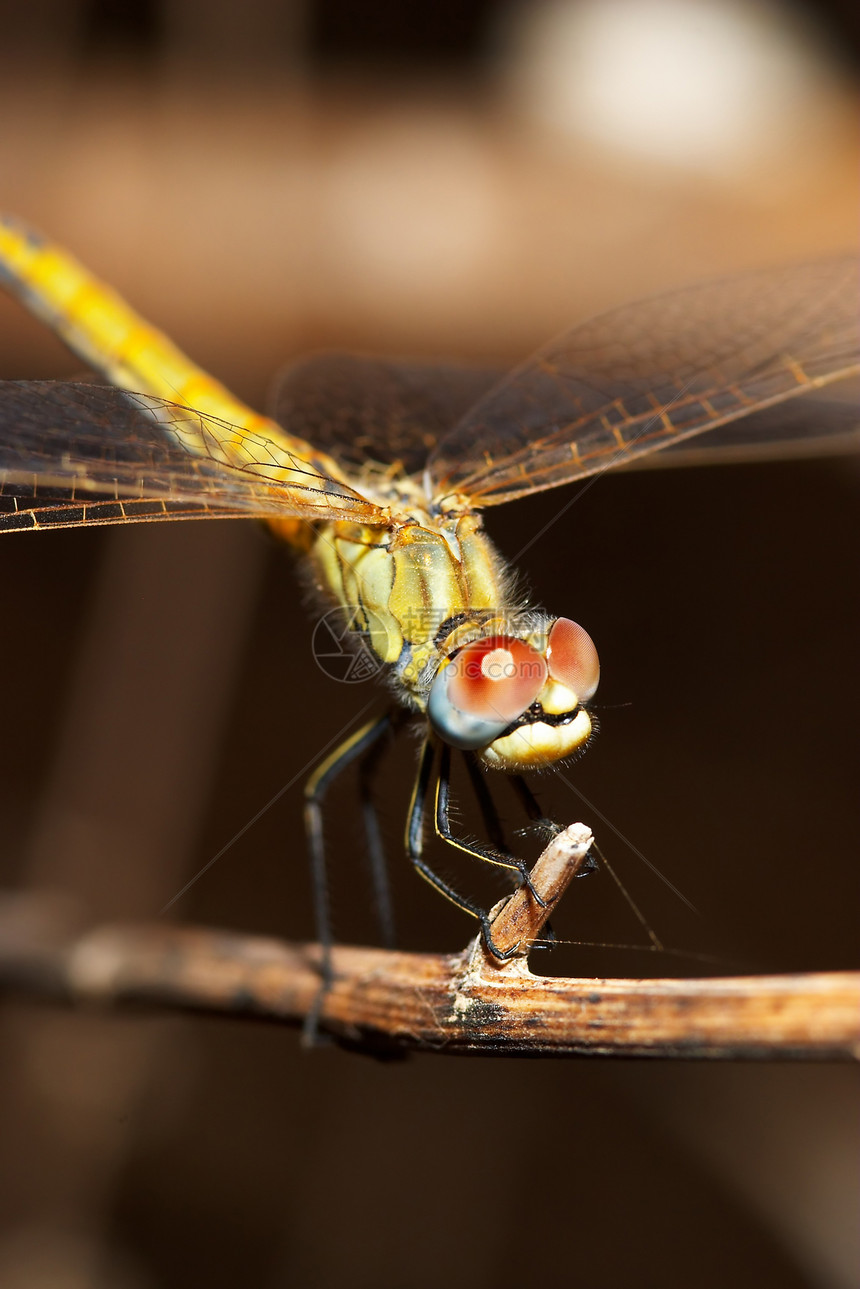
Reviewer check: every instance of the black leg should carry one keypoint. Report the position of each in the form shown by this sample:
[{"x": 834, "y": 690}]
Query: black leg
[
  {"x": 544, "y": 826},
  {"x": 415, "y": 847},
  {"x": 443, "y": 829},
  {"x": 367, "y": 770},
  {"x": 315, "y": 790},
  {"x": 489, "y": 813},
  {"x": 531, "y": 805}
]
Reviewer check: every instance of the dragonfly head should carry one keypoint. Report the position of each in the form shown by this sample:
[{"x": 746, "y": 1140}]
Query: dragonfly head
[{"x": 517, "y": 700}]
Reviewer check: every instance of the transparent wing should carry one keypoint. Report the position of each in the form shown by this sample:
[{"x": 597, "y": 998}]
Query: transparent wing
[
  {"x": 91, "y": 454},
  {"x": 385, "y": 410},
  {"x": 813, "y": 426},
  {"x": 653, "y": 374}
]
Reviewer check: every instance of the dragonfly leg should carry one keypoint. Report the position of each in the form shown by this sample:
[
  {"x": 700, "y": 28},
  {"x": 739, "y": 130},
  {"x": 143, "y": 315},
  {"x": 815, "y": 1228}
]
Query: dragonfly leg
[
  {"x": 367, "y": 770},
  {"x": 540, "y": 822},
  {"x": 492, "y": 823},
  {"x": 360, "y": 744},
  {"x": 415, "y": 842},
  {"x": 489, "y": 813},
  {"x": 475, "y": 849}
]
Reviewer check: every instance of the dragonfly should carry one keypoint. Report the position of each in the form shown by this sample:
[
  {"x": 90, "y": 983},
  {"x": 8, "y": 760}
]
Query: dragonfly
[{"x": 377, "y": 473}]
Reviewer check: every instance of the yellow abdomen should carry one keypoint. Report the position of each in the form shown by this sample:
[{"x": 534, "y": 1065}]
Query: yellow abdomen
[{"x": 109, "y": 335}]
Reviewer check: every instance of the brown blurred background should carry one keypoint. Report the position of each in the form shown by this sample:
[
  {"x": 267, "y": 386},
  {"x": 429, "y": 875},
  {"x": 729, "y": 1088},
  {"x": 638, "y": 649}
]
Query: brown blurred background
[{"x": 458, "y": 179}]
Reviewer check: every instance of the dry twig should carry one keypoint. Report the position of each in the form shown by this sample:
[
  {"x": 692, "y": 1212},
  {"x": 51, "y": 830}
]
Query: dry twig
[{"x": 466, "y": 1003}]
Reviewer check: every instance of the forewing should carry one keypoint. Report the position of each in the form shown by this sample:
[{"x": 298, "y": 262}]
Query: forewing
[
  {"x": 73, "y": 454},
  {"x": 653, "y": 374},
  {"x": 813, "y": 426},
  {"x": 360, "y": 409}
]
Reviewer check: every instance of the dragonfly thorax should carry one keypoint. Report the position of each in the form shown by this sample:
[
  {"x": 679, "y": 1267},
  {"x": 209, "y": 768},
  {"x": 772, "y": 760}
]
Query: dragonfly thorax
[{"x": 399, "y": 585}]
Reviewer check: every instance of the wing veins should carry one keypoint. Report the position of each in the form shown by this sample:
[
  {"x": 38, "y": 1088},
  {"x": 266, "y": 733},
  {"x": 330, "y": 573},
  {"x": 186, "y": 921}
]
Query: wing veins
[{"x": 65, "y": 445}]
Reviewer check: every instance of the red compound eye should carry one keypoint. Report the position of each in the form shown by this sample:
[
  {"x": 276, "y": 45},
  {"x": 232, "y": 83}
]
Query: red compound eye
[
  {"x": 483, "y": 688},
  {"x": 495, "y": 679},
  {"x": 572, "y": 658}
]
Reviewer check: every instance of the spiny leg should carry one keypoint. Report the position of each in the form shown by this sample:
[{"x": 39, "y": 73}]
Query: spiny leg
[
  {"x": 315, "y": 791},
  {"x": 491, "y": 820},
  {"x": 546, "y": 829},
  {"x": 367, "y": 770},
  {"x": 415, "y": 847},
  {"x": 489, "y": 813},
  {"x": 541, "y": 823},
  {"x": 532, "y": 807}
]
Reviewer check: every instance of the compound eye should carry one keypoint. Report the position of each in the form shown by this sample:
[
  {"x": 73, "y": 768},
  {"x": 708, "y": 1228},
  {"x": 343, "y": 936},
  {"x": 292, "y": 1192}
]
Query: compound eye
[
  {"x": 484, "y": 687},
  {"x": 572, "y": 658}
]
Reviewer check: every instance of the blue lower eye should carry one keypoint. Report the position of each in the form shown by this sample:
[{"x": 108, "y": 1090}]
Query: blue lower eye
[{"x": 457, "y": 728}]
